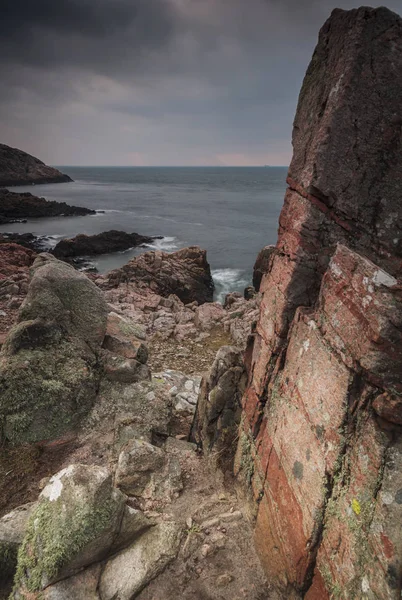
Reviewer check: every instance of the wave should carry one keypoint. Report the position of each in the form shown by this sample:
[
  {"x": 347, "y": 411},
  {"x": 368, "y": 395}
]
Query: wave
[
  {"x": 228, "y": 280},
  {"x": 165, "y": 244}
]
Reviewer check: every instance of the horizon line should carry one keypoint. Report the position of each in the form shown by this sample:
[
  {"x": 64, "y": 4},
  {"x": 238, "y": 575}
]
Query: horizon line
[{"x": 173, "y": 166}]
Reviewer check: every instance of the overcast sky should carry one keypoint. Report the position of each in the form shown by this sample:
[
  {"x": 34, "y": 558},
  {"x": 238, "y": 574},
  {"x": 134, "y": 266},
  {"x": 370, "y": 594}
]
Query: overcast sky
[{"x": 156, "y": 82}]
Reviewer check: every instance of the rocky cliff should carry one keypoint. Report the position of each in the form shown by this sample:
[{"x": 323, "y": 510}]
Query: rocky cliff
[
  {"x": 320, "y": 446},
  {"x": 19, "y": 168}
]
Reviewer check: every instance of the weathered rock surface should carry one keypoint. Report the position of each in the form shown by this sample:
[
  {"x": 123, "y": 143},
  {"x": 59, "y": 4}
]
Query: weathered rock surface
[
  {"x": 261, "y": 265},
  {"x": 185, "y": 273},
  {"x": 27, "y": 206},
  {"x": 12, "y": 531},
  {"x": 320, "y": 447},
  {"x": 74, "y": 524},
  {"x": 14, "y": 258},
  {"x": 19, "y": 168},
  {"x": 83, "y": 585},
  {"x": 48, "y": 364},
  {"x": 150, "y": 555},
  {"x": 101, "y": 243},
  {"x": 218, "y": 412}
]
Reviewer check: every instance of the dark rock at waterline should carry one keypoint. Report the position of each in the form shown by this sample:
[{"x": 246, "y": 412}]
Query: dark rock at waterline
[
  {"x": 101, "y": 243},
  {"x": 19, "y": 168},
  {"x": 27, "y": 240},
  {"x": 16, "y": 206}
]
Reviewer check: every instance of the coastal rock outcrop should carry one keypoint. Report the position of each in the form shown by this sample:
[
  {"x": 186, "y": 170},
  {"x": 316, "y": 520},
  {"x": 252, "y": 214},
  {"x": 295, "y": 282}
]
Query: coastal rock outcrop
[
  {"x": 101, "y": 243},
  {"x": 49, "y": 368},
  {"x": 218, "y": 412},
  {"x": 261, "y": 265},
  {"x": 19, "y": 168},
  {"x": 80, "y": 517},
  {"x": 320, "y": 447},
  {"x": 185, "y": 273},
  {"x": 24, "y": 205}
]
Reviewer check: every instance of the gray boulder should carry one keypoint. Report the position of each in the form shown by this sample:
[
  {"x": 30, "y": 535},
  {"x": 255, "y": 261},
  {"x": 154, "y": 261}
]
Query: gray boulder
[
  {"x": 75, "y": 524},
  {"x": 49, "y": 363},
  {"x": 131, "y": 570}
]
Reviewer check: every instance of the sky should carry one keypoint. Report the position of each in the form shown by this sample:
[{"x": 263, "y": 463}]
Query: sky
[{"x": 156, "y": 82}]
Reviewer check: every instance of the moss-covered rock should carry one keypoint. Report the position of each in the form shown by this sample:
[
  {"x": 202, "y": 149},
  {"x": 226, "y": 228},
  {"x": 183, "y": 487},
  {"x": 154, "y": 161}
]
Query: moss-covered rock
[
  {"x": 49, "y": 363},
  {"x": 75, "y": 524},
  {"x": 60, "y": 294},
  {"x": 45, "y": 392}
]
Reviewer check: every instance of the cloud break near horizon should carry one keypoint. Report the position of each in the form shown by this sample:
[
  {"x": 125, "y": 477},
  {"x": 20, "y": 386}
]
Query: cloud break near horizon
[{"x": 156, "y": 82}]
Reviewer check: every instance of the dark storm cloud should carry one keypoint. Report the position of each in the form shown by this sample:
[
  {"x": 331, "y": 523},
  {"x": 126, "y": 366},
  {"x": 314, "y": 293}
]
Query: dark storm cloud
[
  {"x": 162, "y": 80},
  {"x": 72, "y": 32}
]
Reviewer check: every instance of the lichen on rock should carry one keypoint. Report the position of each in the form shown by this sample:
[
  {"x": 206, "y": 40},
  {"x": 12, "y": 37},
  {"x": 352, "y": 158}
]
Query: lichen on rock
[
  {"x": 75, "y": 523},
  {"x": 49, "y": 369}
]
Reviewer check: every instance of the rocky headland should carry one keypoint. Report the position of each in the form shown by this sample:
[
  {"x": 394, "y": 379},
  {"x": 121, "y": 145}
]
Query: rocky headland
[
  {"x": 157, "y": 444},
  {"x": 19, "y": 206},
  {"x": 19, "y": 168}
]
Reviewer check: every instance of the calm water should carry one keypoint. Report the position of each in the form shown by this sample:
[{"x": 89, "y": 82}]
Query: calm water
[{"x": 231, "y": 212}]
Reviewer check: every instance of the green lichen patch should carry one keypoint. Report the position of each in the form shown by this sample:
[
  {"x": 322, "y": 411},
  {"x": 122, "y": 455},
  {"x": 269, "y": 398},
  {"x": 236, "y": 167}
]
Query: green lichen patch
[
  {"x": 43, "y": 394},
  {"x": 52, "y": 540}
]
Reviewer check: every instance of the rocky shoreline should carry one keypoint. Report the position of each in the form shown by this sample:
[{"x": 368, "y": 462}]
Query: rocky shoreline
[
  {"x": 156, "y": 444},
  {"x": 111, "y": 376},
  {"x": 21, "y": 206}
]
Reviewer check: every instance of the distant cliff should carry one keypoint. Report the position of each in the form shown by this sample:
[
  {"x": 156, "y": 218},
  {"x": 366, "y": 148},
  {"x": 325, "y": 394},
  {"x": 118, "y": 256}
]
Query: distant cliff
[{"x": 19, "y": 168}]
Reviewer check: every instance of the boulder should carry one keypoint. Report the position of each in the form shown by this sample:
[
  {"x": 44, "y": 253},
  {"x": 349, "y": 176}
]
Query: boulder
[
  {"x": 124, "y": 370},
  {"x": 185, "y": 273},
  {"x": 148, "y": 473},
  {"x": 82, "y": 585},
  {"x": 151, "y": 554},
  {"x": 138, "y": 461},
  {"x": 101, "y": 243},
  {"x": 48, "y": 364},
  {"x": 74, "y": 525},
  {"x": 208, "y": 315},
  {"x": 19, "y": 168},
  {"x": 218, "y": 412}
]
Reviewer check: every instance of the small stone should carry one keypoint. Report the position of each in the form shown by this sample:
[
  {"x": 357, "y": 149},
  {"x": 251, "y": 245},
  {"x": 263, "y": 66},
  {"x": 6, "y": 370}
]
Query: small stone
[
  {"x": 206, "y": 550},
  {"x": 224, "y": 580},
  {"x": 43, "y": 482}
]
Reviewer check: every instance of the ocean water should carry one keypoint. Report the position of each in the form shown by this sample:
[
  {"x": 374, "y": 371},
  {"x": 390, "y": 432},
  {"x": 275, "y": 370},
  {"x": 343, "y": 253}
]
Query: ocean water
[{"x": 231, "y": 212}]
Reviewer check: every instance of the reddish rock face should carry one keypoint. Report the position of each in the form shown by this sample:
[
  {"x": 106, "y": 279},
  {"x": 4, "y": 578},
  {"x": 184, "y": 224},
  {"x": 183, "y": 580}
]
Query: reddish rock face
[
  {"x": 14, "y": 258},
  {"x": 185, "y": 273},
  {"x": 320, "y": 443}
]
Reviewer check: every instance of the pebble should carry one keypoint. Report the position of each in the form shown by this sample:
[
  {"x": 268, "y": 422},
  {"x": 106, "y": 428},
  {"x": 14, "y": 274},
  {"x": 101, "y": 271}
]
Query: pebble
[
  {"x": 206, "y": 550},
  {"x": 224, "y": 580}
]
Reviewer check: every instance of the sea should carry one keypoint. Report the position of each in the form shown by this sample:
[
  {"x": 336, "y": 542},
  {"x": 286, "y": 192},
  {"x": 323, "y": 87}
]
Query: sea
[{"x": 232, "y": 212}]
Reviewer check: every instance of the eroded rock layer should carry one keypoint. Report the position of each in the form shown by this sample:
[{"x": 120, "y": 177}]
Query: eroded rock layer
[{"x": 320, "y": 443}]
